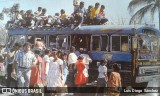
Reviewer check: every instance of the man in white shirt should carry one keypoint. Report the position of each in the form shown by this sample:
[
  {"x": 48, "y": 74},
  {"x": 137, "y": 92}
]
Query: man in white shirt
[
  {"x": 72, "y": 58},
  {"x": 38, "y": 12},
  {"x": 42, "y": 18}
]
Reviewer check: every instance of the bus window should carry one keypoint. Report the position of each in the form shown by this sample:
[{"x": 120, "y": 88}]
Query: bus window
[
  {"x": 52, "y": 41},
  {"x": 80, "y": 41},
  {"x": 116, "y": 43},
  {"x": 34, "y": 38},
  {"x": 154, "y": 47},
  {"x": 96, "y": 43},
  {"x": 69, "y": 42},
  {"x": 124, "y": 43},
  {"x": 62, "y": 42},
  {"x": 104, "y": 46},
  {"x": 30, "y": 39},
  {"x": 16, "y": 38},
  {"x": 144, "y": 42},
  {"x": 120, "y": 43}
]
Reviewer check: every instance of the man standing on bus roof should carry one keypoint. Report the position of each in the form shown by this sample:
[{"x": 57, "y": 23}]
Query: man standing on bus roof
[{"x": 25, "y": 60}]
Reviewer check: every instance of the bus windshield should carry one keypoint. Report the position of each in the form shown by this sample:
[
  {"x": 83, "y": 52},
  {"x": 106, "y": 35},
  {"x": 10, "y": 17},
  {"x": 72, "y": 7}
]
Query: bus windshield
[{"x": 150, "y": 43}]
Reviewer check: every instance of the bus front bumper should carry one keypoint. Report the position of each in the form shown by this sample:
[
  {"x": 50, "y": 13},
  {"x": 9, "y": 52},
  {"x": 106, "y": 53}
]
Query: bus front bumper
[{"x": 141, "y": 79}]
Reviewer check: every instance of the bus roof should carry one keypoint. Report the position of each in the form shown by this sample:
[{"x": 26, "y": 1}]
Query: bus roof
[{"x": 92, "y": 29}]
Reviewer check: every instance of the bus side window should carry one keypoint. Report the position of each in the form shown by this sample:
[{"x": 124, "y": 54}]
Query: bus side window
[
  {"x": 96, "y": 43},
  {"x": 124, "y": 44},
  {"x": 62, "y": 42},
  {"x": 52, "y": 41},
  {"x": 31, "y": 40},
  {"x": 115, "y": 43},
  {"x": 104, "y": 46}
]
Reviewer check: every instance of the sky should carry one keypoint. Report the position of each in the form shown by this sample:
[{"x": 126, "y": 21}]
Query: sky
[{"x": 116, "y": 10}]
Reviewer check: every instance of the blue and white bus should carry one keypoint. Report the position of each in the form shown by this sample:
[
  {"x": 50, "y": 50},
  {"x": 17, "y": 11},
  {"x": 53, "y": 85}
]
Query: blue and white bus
[{"x": 135, "y": 48}]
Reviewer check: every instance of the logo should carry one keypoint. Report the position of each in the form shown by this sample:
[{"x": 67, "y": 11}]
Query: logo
[{"x": 6, "y": 90}]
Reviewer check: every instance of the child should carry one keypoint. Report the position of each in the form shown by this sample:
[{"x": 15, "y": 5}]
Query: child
[
  {"x": 114, "y": 81},
  {"x": 102, "y": 77}
]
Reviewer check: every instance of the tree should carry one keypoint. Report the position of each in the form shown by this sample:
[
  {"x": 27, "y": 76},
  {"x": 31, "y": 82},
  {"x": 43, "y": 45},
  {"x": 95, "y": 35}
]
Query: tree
[
  {"x": 151, "y": 6},
  {"x": 1, "y": 16},
  {"x": 11, "y": 11}
]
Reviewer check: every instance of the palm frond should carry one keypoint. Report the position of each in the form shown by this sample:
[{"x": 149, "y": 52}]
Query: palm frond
[
  {"x": 140, "y": 13},
  {"x": 1, "y": 16},
  {"x": 135, "y": 3},
  {"x": 154, "y": 8}
]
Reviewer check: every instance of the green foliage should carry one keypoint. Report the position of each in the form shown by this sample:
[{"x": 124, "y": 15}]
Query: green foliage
[{"x": 150, "y": 6}]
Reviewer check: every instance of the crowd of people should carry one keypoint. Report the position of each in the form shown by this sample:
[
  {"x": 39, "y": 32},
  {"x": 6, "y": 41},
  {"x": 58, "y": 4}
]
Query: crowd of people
[
  {"x": 52, "y": 68},
  {"x": 94, "y": 15}
]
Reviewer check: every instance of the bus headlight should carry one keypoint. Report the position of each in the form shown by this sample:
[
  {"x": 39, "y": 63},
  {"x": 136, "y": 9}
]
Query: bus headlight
[
  {"x": 142, "y": 71},
  {"x": 158, "y": 70}
]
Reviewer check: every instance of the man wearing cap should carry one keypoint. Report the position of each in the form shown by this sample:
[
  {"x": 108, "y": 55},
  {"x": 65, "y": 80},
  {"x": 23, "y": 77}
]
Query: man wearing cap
[
  {"x": 10, "y": 57},
  {"x": 24, "y": 59}
]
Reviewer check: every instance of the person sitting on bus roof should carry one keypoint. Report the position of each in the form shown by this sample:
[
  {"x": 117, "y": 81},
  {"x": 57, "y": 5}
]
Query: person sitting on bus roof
[
  {"x": 22, "y": 21},
  {"x": 16, "y": 18},
  {"x": 37, "y": 13},
  {"x": 63, "y": 17},
  {"x": 42, "y": 18},
  {"x": 95, "y": 12},
  {"x": 88, "y": 19},
  {"x": 56, "y": 19},
  {"x": 79, "y": 14},
  {"x": 100, "y": 18},
  {"x": 50, "y": 21},
  {"x": 75, "y": 4},
  {"x": 29, "y": 18}
]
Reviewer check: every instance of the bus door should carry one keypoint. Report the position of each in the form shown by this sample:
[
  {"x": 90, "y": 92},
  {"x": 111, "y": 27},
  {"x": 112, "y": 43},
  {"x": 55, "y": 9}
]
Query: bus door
[
  {"x": 96, "y": 43},
  {"x": 63, "y": 42},
  {"x": 36, "y": 37},
  {"x": 99, "y": 47},
  {"x": 52, "y": 43},
  {"x": 80, "y": 41}
]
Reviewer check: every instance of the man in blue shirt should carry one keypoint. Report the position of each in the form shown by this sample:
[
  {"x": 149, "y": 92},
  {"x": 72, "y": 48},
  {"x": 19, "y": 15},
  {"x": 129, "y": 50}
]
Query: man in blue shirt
[
  {"x": 25, "y": 60},
  {"x": 79, "y": 14}
]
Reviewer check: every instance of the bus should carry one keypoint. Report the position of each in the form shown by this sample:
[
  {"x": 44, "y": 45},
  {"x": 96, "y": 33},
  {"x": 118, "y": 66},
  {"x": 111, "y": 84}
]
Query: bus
[{"x": 136, "y": 48}]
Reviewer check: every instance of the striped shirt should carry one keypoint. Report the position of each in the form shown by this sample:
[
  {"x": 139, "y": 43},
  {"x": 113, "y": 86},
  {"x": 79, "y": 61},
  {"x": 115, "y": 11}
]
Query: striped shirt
[{"x": 25, "y": 59}]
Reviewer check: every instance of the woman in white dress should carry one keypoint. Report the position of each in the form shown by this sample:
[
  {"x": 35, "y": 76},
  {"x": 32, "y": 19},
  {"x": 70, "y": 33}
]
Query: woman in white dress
[{"x": 54, "y": 78}]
